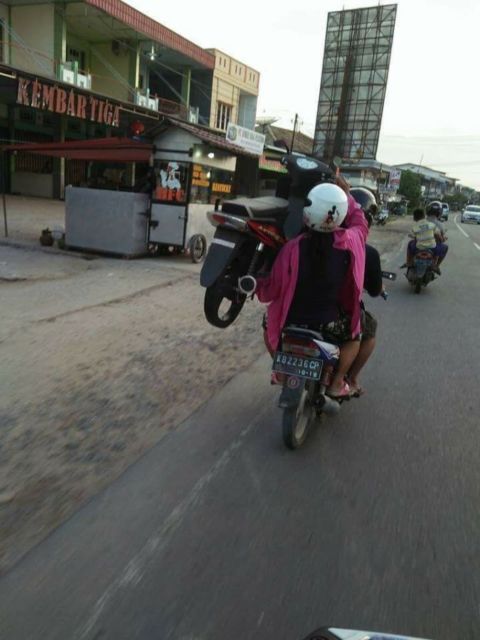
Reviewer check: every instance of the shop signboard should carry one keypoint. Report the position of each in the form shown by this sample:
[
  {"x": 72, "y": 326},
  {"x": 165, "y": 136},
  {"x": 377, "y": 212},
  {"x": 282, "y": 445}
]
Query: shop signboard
[
  {"x": 394, "y": 179},
  {"x": 50, "y": 97},
  {"x": 247, "y": 139}
]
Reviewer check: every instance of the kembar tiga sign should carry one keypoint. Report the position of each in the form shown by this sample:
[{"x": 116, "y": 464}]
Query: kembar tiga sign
[{"x": 51, "y": 97}]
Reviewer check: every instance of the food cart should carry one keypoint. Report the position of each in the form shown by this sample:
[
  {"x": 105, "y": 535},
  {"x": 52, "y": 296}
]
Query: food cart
[
  {"x": 193, "y": 168},
  {"x": 190, "y": 168}
]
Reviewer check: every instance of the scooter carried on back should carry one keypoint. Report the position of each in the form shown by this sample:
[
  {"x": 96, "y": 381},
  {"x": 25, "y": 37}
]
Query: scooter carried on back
[{"x": 249, "y": 234}]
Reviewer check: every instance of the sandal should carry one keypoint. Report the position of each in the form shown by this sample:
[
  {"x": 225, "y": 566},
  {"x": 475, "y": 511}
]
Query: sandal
[
  {"x": 356, "y": 389},
  {"x": 343, "y": 392}
]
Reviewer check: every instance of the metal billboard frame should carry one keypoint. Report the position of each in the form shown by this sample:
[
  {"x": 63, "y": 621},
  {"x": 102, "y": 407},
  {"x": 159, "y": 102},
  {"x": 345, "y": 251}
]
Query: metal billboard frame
[{"x": 356, "y": 61}]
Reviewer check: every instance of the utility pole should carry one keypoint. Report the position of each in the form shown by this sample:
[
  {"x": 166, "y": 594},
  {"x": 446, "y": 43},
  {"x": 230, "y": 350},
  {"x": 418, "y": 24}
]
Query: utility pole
[{"x": 294, "y": 130}]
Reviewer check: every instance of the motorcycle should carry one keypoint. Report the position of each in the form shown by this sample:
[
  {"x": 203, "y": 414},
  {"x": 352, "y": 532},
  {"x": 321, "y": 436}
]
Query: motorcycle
[
  {"x": 304, "y": 365},
  {"x": 382, "y": 217},
  {"x": 422, "y": 273},
  {"x": 249, "y": 234}
]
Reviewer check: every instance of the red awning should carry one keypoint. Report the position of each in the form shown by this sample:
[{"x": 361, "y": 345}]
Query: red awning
[{"x": 102, "y": 149}]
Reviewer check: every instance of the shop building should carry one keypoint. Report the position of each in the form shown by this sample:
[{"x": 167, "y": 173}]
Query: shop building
[
  {"x": 435, "y": 184},
  {"x": 91, "y": 69},
  {"x": 234, "y": 92}
]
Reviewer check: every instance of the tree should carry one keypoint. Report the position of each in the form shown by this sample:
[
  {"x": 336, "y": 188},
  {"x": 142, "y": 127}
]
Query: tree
[
  {"x": 410, "y": 188},
  {"x": 456, "y": 200}
]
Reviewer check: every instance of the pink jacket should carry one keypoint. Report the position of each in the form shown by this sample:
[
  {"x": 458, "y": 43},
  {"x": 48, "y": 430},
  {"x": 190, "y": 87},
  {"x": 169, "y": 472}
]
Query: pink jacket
[{"x": 278, "y": 287}]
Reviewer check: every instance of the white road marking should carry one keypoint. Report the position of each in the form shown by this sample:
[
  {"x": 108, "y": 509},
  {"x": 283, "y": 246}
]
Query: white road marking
[
  {"x": 460, "y": 228},
  {"x": 478, "y": 246},
  {"x": 134, "y": 571}
]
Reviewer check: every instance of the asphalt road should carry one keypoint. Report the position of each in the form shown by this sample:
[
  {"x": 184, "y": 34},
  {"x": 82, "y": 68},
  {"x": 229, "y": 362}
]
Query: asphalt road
[{"x": 220, "y": 532}]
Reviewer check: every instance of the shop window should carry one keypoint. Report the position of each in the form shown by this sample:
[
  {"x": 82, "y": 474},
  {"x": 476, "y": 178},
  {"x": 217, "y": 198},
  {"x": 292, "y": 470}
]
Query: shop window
[
  {"x": 170, "y": 181},
  {"x": 224, "y": 114},
  {"x": 210, "y": 184}
]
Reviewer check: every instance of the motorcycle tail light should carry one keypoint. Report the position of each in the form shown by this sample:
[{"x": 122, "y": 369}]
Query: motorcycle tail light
[
  {"x": 300, "y": 347},
  {"x": 269, "y": 234}
]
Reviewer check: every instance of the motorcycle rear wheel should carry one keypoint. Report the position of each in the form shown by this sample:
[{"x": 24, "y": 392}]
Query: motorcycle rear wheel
[
  {"x": 297, "y": 421},
  {"x": 418, "y": 287},
  {"x": 214, "y": 298}
]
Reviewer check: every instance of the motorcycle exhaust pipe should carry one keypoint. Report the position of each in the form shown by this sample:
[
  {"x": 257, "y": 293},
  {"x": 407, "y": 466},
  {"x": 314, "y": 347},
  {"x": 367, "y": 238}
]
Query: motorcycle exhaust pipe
[
  {"x": 329, "y": 406},
  {"x": 247, "y": 285}
]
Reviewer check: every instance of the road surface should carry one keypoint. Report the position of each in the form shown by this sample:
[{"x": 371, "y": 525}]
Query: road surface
[{"x": 220, "y": 532}]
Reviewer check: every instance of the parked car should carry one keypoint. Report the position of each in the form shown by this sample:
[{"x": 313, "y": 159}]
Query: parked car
[
  {"x": 445, "y": 212},
  {"x": 471, "y": 213}
]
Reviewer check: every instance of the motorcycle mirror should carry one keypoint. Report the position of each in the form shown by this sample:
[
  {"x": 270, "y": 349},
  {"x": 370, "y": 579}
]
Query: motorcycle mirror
[{"x": 389, "y": 275}]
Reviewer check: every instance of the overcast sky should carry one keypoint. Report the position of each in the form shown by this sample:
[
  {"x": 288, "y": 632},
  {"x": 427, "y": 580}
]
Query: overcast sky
[{"x": 432, "y": 109}]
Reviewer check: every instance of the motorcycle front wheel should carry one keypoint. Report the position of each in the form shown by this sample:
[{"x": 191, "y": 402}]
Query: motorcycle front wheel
[
  {"x": 297, "y": 421},
  {"x": 220, "y": 309}
]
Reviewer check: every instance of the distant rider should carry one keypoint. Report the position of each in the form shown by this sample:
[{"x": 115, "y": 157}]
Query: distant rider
[
  {"x": 434, "y": 212},
  {"x": 424, "y": 236}
]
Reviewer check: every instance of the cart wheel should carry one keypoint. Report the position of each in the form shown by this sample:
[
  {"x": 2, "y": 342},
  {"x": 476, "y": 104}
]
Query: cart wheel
[{"x": 197, "y": 248}]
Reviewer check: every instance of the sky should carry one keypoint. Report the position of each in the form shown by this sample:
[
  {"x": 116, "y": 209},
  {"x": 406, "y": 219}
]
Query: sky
[{"x": 432, "y": 108}]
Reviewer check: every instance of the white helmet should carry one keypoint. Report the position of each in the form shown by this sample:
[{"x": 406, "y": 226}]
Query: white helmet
[{"x": 327, "y": 208}]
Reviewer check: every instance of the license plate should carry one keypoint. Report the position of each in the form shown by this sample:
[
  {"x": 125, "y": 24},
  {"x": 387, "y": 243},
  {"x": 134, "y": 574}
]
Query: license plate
[{"x": 299, "y": 366}]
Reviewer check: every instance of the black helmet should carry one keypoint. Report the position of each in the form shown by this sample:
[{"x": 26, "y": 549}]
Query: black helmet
[
  {"x": 364, "y": 197},
  {"x": 434, "y": 208}
]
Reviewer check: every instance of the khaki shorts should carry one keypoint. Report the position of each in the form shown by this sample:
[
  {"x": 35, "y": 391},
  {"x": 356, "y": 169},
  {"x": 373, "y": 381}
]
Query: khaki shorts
[{"x": 369, "y": 325}]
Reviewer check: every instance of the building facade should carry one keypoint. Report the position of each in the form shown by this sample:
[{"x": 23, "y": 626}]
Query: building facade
[
  {"x": 435, "y": 184},
  {"x": 93, "y": 68},
  {"x": 234, "y": 92}
]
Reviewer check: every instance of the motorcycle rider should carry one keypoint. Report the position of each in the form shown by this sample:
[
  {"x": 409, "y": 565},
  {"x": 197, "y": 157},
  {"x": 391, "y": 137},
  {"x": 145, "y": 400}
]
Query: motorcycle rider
[
  {"x": 373, "y": 284},
  {"x": 366, "y": 200},
  {"x": 424, "y": 236},
  {"x": 434, "y": 211},
  {"x": 317, "y": 278}
]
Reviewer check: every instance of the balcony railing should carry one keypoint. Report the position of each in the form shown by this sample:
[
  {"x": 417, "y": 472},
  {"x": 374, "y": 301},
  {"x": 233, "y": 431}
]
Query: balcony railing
[{"x": 68, "y": 72}]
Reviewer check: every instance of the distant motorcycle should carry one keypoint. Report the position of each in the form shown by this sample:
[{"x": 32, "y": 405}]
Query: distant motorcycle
[
  {"x": 421, "y": 273},
  {"x": 382, "y": 217},
  {"x": 249, "y": 234}
]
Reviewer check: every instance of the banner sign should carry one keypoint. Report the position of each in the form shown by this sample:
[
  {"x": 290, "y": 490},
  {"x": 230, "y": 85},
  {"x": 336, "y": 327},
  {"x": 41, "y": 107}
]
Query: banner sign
[
  {"x": 394, "y": 180},
  {"x": 48, "y": 97},
  {"x": 246, "y": 138}
]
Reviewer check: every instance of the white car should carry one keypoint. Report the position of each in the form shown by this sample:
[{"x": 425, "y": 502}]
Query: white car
[
  {"x": 471, "y": 213},
  {"x": 445, "y": 211}
]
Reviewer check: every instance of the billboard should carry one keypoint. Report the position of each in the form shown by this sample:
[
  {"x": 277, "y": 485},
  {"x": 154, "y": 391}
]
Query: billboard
[{"x": 356, "y": 60}]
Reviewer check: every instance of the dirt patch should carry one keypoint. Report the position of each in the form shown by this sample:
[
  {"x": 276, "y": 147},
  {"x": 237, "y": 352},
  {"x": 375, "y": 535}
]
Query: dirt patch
[{"x": 84, "y": 396}]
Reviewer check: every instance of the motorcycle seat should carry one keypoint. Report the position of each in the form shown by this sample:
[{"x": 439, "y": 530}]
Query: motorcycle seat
[{"x": 268, "y": 208}]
